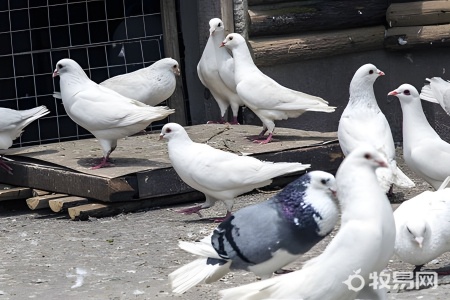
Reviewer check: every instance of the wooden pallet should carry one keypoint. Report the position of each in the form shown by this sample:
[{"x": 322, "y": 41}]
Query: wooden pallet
[{"x": 57, "y": 176}]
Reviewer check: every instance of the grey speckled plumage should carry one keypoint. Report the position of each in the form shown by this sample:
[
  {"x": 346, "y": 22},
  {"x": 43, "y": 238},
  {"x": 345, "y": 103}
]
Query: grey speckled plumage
[{"x": 264, "y": 237}]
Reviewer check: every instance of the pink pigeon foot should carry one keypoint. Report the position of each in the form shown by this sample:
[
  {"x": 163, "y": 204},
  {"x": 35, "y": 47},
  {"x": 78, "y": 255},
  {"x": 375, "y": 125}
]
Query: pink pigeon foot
[
  {"x": 105, "y": 162},
  {"x": 221, "y": 121},
  {"x": 5, "y": 167},
  {"x": 220, "y": 220},
  {"x": 191, "y": 210},
  {"x": 264, "y": 141}
]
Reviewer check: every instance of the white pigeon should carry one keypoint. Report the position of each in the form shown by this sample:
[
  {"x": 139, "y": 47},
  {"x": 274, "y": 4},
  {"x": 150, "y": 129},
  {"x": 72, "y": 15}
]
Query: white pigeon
[
  {"x": 269, "y": 100},
  {"x": 363, "y": 122},
  {"x": 364, "y": 243},
  {"x": 264, "y": 237},
  {"x": 423, "y": 227},
  {"x": 12, "y": 124},
  {"x": 218, "y": 174},
  {"x": 437, "y": 90},
  {"x": 108, "y": 115},
  {"x": 424, "y": 151},
  {"x": 151, "y": 85},
  {"x": 216, "y": 72}
]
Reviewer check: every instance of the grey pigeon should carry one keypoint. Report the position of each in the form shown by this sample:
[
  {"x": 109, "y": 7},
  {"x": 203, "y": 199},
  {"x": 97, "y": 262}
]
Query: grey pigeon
[
  {"x": 220, "y": 175},
  {"x": 108, "y": 115},
  {"x": 363, "y": 245},
  {"x": 12, "y": 124},
  {"x": 424, "y": 151},
  {"x": 216, "y": 72},
  {"x": 264, "y": 237},
  {"x": 151, "y": 85},
  {"x": 268, "y": 99}
]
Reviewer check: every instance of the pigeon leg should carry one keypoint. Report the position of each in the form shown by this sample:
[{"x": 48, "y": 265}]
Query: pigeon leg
[
  {"x": 5, "y": 167},
  {"x": 260, "y": 136},
  {"x": 103, "y": 163},
  {"x": 191, "y": 210},
  {"x": 235, "y": 121}
]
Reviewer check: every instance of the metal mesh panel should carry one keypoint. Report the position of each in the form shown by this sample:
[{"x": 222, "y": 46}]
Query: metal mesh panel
[{"x": 106, "y": 38}]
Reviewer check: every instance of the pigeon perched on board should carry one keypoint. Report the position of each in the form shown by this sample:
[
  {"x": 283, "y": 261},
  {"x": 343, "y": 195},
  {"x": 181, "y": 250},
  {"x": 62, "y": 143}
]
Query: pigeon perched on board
[
  {"x": 363, "y": 122},
  {"x": 12, "y": 124},
  {"x": 363, "y": 244},
  {"x": 269, "y": 100},
  {"x": 151, "y": 85},
  {"x": 108, "y": 115},
  {"x": 216, "y": 72},
  {"x": 424, "y": 151},
  {"x": 218, "y": 174},
  {"x": 264, "y": 237},
  {"x": 437, "y": 90},
  {"x": 423, "y": 227}
]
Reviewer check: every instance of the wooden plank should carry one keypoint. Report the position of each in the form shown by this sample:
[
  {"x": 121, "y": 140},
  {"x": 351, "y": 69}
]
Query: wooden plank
[
  {"x": 41, "y": 202},
  {"x": 62, "y": 204},
  {"x": 171, "y": 49},
  {"x": 226, "y": 10},
  {"x": 287, "y": 49},
  {"x": 418, "y": 13},
  {"x": 69, "y": 182},
  {"x": 8, "y": 192},
  {"x": 402, "y": 38},
  {"x": 37, "y": 192},
  {"x": 307, "y": 16}
]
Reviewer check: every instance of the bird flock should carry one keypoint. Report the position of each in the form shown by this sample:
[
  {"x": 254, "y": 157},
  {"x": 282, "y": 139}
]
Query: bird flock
[{"x": 265, "y": 237}]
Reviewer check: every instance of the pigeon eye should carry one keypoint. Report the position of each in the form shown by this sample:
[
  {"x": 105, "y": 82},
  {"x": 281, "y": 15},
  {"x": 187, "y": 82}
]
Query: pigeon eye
[
  {"x": 406, "y": 92},
  {"x": 408, "y": 230},
  {"x": 231, "y": 38},
  {"x": 367, "y": 156},
  {"x": 218, "y": 25},
  {"x": 371, "y": 72},
  {"x": 60, "y": 66},
  {"x": 324, "y": 181},
  {"x": 168, "y": 130},
  {"x": 174, "y": 66}
]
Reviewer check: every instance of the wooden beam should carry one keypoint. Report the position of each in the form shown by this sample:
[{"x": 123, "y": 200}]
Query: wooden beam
[
  {"x": 287, "y": 49},
  {"x": 8, "y": 192},
  {"x": 62, "y": 204},
  {"x": 226, "y": 10},
  {"x": 171, "y": 49},
  {"x": 402, "y": 38},
  {"x": 418, "y": 13},
  {"x": 41, "y": 202},
  {"x": 297, "y": 16}
]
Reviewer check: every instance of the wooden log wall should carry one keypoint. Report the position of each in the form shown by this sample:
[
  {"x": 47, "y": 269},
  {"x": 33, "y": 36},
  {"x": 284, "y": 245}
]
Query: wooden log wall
[
  {"x": 421, "y": 24},
  {"x": 285, "y": 31}
]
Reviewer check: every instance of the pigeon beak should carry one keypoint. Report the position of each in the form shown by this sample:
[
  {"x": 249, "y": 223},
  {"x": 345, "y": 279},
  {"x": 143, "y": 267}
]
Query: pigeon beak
[
  {"x": 382, "y": 163},
  {"x": 393, "y": 93},
  {"x": 380, "y": 73},
  {"x": 211, "y": 31},
  {"x": 177, "y": 71},
  {"x": 161, "y": 136},
  {"x": 419, "y": 240},
  {"x": 221, "y": 45},
  {"x": 55, "y": 73}
]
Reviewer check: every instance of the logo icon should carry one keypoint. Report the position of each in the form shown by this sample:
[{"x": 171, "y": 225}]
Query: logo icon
[{"x": 356, "y": 277}]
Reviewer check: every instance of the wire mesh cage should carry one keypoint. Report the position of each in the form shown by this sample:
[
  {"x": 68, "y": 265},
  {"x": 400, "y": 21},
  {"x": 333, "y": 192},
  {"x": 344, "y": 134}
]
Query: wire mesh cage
[{"x": 106, "y": 37}]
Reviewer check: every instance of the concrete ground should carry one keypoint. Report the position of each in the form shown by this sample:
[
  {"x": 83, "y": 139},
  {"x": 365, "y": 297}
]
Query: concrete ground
[{"x": 46, "y": 256}]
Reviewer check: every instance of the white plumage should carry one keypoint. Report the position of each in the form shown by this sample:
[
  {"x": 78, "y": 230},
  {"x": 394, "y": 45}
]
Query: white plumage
[
  {"x": 423, "y": 227},
  {"x": 437, "y": 90},
  {"x": 269, "y": 100},
  {"x": 108, "y": 115},
  {"x": 424, "y": 151},
  {"x": 216, "y": 71},
  {"x": 363, "y": 122},
  {"x": 364, "y": 242},
  {"x": 151, "y": 85},
  {"x": 12, "y": 124},
  {"x": 218, "y": 174}
]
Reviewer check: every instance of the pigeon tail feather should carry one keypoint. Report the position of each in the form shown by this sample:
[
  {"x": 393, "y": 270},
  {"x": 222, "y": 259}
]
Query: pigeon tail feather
[
  {"x": 401, "y": 180},
  {"x": 196, "y": 272}
]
